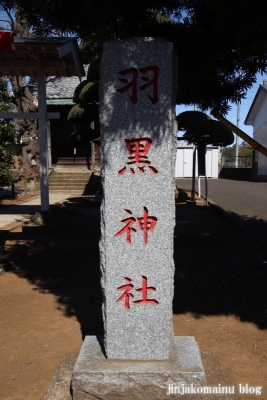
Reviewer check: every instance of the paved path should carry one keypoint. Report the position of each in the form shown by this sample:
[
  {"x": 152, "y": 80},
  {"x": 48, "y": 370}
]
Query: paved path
[
  {"x": 19, "y": 212},
  {"x": 244, "y": 201}
]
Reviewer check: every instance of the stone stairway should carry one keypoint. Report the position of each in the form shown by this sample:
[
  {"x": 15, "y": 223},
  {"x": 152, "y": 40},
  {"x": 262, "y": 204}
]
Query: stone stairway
[{"x": 69, "y": 180}]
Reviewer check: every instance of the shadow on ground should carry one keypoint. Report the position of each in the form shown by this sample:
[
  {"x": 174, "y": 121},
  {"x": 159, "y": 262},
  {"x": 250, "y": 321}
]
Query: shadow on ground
[{"x": 220, "y": 269}]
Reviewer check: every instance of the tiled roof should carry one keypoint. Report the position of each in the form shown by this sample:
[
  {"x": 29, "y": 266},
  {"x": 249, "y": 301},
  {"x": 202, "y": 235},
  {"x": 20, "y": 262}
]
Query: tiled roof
[{"x": 57, "y": 88}]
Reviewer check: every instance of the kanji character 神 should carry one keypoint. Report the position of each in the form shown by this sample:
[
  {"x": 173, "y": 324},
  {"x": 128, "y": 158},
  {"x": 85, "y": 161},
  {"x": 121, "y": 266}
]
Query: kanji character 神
[
  {"x": 127, "y": 228},
  {"x": 129, "y": 287},
  {"x": 138, "y": 149},
  {"x": 146, "y": 223},
  {"x": 132, "y": 84}
]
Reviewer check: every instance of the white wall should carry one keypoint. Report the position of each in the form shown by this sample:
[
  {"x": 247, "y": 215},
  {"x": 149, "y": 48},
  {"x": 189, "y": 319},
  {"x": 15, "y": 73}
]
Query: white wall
[
  {"x": 260, "y": 135},
  {"x": 261, "y": 117},
  {"x": 212, "y": 162},
  {"x": 184, "y": 162}
]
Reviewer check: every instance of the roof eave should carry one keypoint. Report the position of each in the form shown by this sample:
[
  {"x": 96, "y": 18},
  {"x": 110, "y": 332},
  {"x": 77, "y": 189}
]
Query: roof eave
[
  {"x": 59, "y": 56},
  {"x": 257, "y": 101}
]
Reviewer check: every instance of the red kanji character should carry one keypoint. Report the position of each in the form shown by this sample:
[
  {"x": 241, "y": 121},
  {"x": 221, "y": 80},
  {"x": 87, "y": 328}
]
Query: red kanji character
[
  {"x": 153, "y": 82},
  {"x": 126, "y": 295},
  {"x": 127, "y": 228},
  {"x": 138, "y": 149},
  {"x": 129, "y": 85},
  {"x": 132, "y": 84},
  {"x": 144, "y": 289},
  {"x": 147, "y": 223}
]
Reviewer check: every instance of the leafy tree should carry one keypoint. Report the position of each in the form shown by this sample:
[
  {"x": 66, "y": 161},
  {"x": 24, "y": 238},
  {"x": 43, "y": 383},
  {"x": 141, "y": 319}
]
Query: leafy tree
[
  {"x": 229, "y": 153},
  {"x": 84, "y": 115},
  {"x": 14, "y": 21},
  {"x": 7, "y": 136},
  {"x": 245, "y": 152},
  {"x": 220, "y": 45},
  {"x": 200, "y": 129}
]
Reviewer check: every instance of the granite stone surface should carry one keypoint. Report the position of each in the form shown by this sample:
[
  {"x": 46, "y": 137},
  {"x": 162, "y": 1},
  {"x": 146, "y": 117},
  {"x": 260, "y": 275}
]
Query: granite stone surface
[
  {"x": 138, "y": 148},
  {"x": 95, "y": 377},
  {"x": 59, "y": 388}
]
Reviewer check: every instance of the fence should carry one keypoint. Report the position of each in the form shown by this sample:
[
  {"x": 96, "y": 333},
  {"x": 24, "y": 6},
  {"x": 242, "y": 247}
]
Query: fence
[{"x": 237, "y": 162}]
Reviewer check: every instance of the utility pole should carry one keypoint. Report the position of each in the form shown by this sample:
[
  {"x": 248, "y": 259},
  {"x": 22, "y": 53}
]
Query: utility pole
[{"x": 237, "y": 124}]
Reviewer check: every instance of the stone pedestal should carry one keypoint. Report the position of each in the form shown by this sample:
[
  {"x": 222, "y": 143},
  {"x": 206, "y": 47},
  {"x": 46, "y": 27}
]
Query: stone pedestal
[{"x": 96, "y": 377}]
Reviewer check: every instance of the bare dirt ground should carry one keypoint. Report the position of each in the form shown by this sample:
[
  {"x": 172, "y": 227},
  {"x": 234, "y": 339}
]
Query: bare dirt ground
[{"x": 50, "y": 295}]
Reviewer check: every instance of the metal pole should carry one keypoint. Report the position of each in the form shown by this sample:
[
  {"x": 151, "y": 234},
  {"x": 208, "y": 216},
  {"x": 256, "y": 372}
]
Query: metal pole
[
  {"x": 43, "y": 138},
  {"x": 92, "y": 126},
  {"x": 194, "y": 174},
  {"x": 49, "y": 152},
  {"x": 237, "y": 124},
  {"x": 206, "y": 176},
  {"x": 207, "y": 190}
]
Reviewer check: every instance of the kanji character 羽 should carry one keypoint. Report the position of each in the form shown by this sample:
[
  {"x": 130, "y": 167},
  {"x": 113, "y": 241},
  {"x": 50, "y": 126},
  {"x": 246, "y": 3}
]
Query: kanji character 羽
[
  {"x": 132, "y": 83},
  {"x": 153, "y": 82},
  {"x": 129, "y": 84}
]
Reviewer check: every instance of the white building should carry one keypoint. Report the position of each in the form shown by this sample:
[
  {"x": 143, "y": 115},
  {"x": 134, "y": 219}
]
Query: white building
[
  {"x": 257, "y": 117},
  {"x": 184, "y": 162}
]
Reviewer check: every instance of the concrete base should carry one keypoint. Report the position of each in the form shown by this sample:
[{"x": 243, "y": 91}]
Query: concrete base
[
  {"x": 95, "y": 377},
  {"x": 60, "y": 387}
]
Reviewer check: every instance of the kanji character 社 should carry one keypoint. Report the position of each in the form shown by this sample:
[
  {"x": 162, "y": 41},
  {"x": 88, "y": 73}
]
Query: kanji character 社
[
  {"x": 144, "y": 289},
  {"x": 126, "y": 295}
]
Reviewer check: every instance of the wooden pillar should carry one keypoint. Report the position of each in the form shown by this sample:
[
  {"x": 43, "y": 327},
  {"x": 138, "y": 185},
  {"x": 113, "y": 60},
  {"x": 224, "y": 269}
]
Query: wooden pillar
[{"x": 42, "y": 110}]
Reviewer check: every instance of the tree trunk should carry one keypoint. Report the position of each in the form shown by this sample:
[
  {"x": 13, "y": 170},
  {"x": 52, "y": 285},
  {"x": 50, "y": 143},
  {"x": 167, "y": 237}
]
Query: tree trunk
[{"x": 25, "y": 102}]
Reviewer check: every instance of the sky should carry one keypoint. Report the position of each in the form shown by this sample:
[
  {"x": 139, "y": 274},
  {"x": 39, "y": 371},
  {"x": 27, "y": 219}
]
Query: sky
[{"x": 244, "y": 108}]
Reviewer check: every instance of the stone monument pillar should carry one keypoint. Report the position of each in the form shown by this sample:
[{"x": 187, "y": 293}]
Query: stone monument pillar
[
  {"x": 138, "y": 151},
  {"x": 138, "y": 135}
]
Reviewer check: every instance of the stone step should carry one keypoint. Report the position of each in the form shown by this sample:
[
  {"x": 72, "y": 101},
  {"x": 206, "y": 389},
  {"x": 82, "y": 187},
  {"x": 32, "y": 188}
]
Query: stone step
[
  {"x": 69, "y": 174},
  {"x": 72, "y": 167},
  {"x": 67, "y": 187},
  {"x": 72, "y": 160},
  {"x": 74, "y": 181},
  {"x": 67, "y": 179}
]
